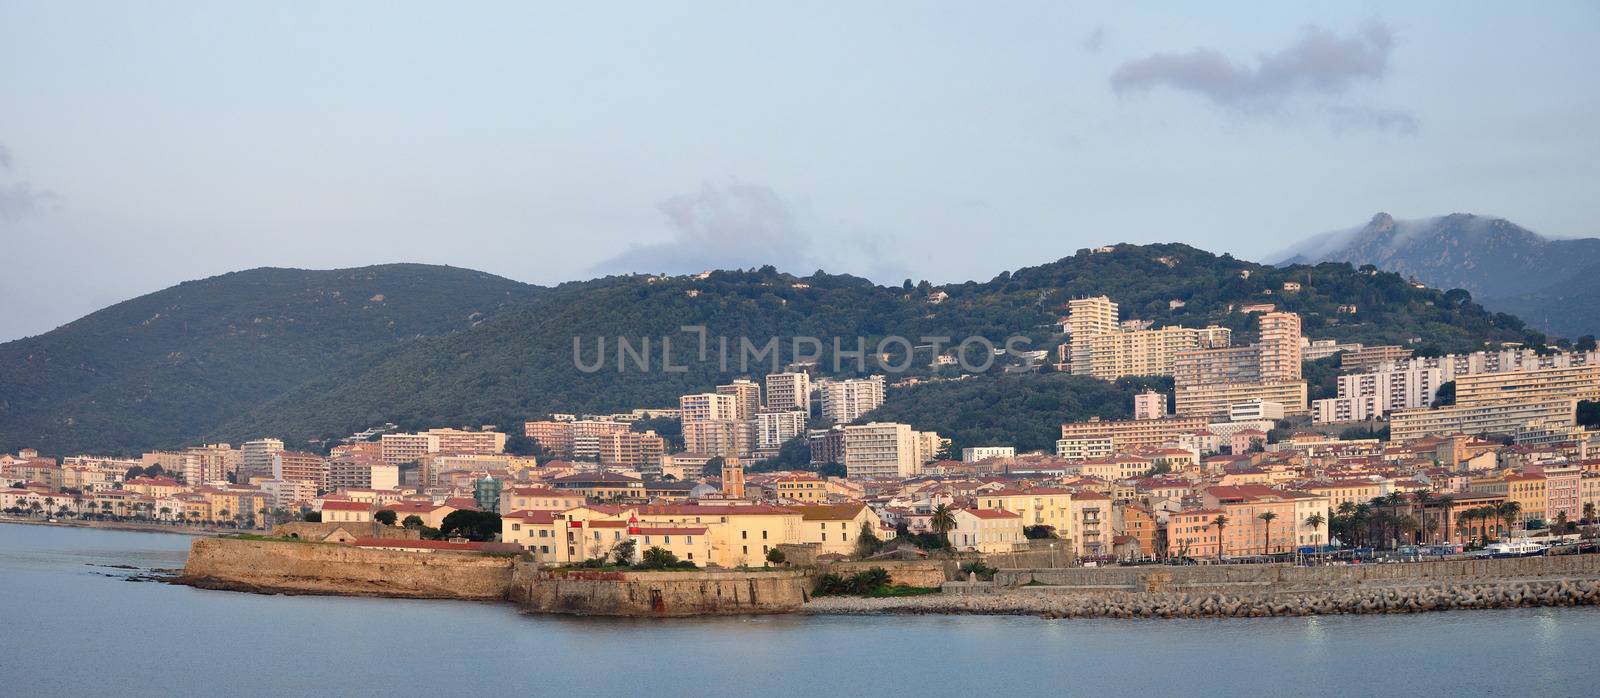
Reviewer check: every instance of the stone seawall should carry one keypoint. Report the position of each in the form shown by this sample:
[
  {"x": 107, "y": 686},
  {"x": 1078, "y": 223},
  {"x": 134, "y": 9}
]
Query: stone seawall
[
  {"x": 324, "y": 568},
  {"x": 1415, "y": 598},
  {"x": 1192, "y": 577},
  {"x": 660, "y": 594},
  {"x": 930, "y": 574}
]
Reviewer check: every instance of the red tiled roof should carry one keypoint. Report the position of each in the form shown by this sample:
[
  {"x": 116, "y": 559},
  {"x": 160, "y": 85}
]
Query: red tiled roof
[
  {"x": 429, "y": 544},
  {"x": 993, "y": 513}
]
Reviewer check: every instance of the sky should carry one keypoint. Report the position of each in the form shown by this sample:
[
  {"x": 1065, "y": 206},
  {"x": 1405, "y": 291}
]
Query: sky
[{"x": 145, "y": 144}]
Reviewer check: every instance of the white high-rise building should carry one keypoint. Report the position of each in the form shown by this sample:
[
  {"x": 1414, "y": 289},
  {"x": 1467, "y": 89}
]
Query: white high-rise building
[
  {"x": 884, "y": 450},
  {"x": 1149, "y": 405},
  {"x": 704, "y": 407},
  {"x": 773, "y": 428},
  {"x": 255, "y": 458},
  {"x": 746, "y": 397},
  {"x": 847, "y": 400},
  {"x": 789, "y": 391}
]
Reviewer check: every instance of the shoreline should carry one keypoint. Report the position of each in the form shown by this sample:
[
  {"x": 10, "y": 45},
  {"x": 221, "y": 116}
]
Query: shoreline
[
  {"x": 1421, "y": 597},
  {"x": 123, "y": 526}
]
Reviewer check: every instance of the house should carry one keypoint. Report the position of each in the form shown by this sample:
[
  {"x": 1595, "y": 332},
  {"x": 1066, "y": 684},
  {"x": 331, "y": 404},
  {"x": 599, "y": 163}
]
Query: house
[{"x": 986, "y": 531}]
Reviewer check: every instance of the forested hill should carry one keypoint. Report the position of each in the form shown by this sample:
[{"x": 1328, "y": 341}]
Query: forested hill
[
  {"x": 521, "y": 364},
  {"x": 169, "y": 367},
  {"x": 491, "y": 351}
]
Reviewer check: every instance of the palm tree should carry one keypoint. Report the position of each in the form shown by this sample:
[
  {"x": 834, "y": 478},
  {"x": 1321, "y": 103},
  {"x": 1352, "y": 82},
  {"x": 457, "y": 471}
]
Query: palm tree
[
  {"x": 1508, "y": 513},
  {"x": 943, "y": 519},
  {"x": 1221, "y": 522},
  {"x": 166, "y": 512},
  {"x": 1315, "y": 522},
  {"x": 1588, "y": 512},
  {"x": 1445, "y": 501},
  {"x": 1422, "y": 498},
  {"x": 222, "y": 514},
  {"x": 1266, "y": 538}
]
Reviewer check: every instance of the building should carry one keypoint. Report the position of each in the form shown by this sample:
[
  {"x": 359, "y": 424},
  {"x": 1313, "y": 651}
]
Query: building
[
  {"x": 407, "y": 448},
  {"x": 1487, "y": 419},
  {"x": 827, "y": 445},
  {"x": 1254, "y": 409},
  {"x": 1088, "y": 318},
  {"x": 1085, "y": 448},
  {"x": 836, "y": 528},
  {"x": 801, "y": 488},
  {"x": 1365, "y": 358},
  {"x": 255, "y": 458},
  {"x": 1217, "y": 400},
  {"x": 881, "y": 450},
  {"x": 775, "y": 428},
  {"x": 636, "y": 449},
  {"x": 302, "y": 466},
  {"x": 1128, "y": 434},
  {"x": 847, "y": 400},
  {"x": 342, "y": 511},
  {"x": 1581, "y": 382},
  {"x": 1038, "y": 506},
  {"x": 746, "y": 396},
  {"x": 986, "y": 531},
  {"x": 1149, "y": 405},
  {"x": 983, "y": 453},
  {"x": 729, "y": 438},
  {"x": 706, "y": 407},
  {"x": 361, "y": 472},
  {"x": 789, "y": 392}
]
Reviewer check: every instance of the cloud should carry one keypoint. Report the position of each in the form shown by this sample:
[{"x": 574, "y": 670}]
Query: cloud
[
  {"x": 722, "y": 227},
  {"x": 18, "y": 197},
  {"x": 1319, "y": 64}
]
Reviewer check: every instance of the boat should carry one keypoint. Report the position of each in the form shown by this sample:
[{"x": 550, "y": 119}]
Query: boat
[{"x": 1516, "y": 548}]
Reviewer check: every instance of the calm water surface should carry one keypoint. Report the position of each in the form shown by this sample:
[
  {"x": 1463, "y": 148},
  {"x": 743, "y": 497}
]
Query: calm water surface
[{"x": 69, "y": 626}]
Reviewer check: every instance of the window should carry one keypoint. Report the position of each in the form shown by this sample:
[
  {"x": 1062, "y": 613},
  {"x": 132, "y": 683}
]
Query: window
[
  {"x": 664, "y": 539},
  {"x": 744, "y": 535},
  {"x": 746, "y": 549},
  {"x": 763, "y": 535},
  {"x": 689, "y": 540},
  {"x": 516, "y": 527},
  {"x": 824, "y": 535}
]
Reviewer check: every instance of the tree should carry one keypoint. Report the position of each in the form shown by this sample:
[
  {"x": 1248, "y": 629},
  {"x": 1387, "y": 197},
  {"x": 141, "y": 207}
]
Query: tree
[
  {"x": 867, "y": 541},
  {"x": 1266, "y": 538},
  {"x": 942, "y": 520},
  {"x": 1221, "y": 522},
  {"x": 1588, "y": 512},
  {"x": 1508, "y": 511},
  {"x": 471, "y": 524},
  {"x": 312, "y": 517},
  {"x": 1445, "y": 503},
  {"x": 776, "y": 557},
  {"x": 386, "y": 517},
  {"x": 623, "y": 552},
  {"x": 1445, "y": 396},
  {"x": 657, "y": 558},
  {"x": 412, "y": 521},
  {"x": 1315, "y": 521}
]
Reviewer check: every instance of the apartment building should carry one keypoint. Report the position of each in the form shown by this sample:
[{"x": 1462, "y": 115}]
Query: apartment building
[
  {"x": 634, "y": 449},
  {"x": 847, "y": 400},
  {"x": 361, "y": 472},
  {"x": 704, "y": 407},
  {"x": 1128, "y": 434},
  {"x": 407, "y": 448},
  {"x": 255, "y": 458},
  {"x": 789, "y": 392},
  {"x": 1088, "y": 318},
  {"x": 1218, "y": 400},
  {"x": 1581, "y": 382},
  {"x": 746, "y": 396},
  {"x": 776, "y": 427},
  {"x": 883, "y": 450},
  {"x": 1503, "y": 418},
  {"x": 720, "y": 437},
  {"x": 299, "y": 465},
  {"x": 983, "y": 453},
  {"x": 1366, "y": 358},
  {"x": 1149, "y": 405}
]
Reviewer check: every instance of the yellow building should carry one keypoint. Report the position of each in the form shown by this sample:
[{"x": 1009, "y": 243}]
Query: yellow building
[
  {"x": 1039, "y": 506},
  {"x": 801, "y": 488},
  {"x": 836, "y": 528},
  {"x": 986, "y": 531}
]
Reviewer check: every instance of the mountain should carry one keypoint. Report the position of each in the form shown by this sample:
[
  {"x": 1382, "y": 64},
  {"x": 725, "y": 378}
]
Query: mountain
[
  {"x": 469, "y": 349},
  {"x": 1549, "y": 282},
  {"x": 167, "y": 367}
]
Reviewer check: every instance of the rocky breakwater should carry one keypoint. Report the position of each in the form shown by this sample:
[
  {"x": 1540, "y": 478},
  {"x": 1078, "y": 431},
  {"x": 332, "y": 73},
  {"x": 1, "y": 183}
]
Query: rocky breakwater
[
  {"x": 298, "y": 567},
  {"x": 1414, "y": 598}
]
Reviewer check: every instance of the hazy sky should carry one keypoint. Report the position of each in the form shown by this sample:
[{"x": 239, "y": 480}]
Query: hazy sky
[{"x": 149, "y": 143}]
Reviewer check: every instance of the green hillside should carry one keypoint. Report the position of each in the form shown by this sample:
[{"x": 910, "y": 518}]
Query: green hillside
[
  {"x": 169, "y": 367},
  {"x": 521, "y": 364},
  {"x": 308, "y": 354}
]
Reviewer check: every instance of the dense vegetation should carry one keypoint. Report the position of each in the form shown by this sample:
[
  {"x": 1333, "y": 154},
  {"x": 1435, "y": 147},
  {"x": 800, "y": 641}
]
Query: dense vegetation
[
  {"x": 308, "y": 355},
  {"x": 169, "y": 367},
  {"x": 1025, "y": 411}
]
